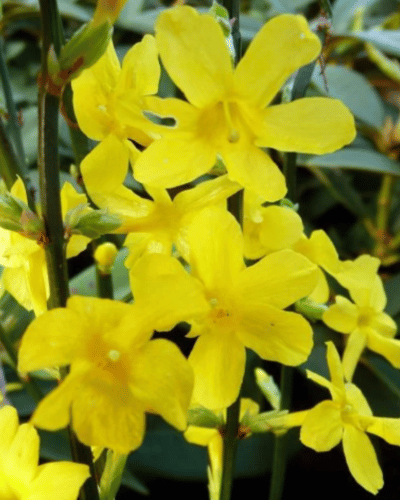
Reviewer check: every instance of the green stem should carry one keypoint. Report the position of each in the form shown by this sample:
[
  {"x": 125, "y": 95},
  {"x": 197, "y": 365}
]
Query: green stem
[
  {"x": 235, "y": 206},
  {"x": 229, "y": 449},
  {"x": 48, "y": 161},
  {"x": 280, "y": 442},
  {"x": 17, "y": 167},
  {"x": 8, "y": 161}
]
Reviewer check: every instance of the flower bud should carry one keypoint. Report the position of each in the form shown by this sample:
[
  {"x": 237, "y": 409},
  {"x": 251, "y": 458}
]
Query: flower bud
[
  {"x": 91, "y": 223},
  {"x": 107, "y": 10},
  {"x": 310, "y": 309},
  {"x": 268, "y": 387},
  {"x": 203, "y": 417},
  {"x": 104, "y": 256}
]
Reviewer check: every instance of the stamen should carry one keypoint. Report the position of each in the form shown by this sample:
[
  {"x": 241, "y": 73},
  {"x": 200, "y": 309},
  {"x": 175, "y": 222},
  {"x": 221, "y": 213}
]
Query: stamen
[
  {"x": 233, "y": 134},
  {"x": 114, "y": 355}
]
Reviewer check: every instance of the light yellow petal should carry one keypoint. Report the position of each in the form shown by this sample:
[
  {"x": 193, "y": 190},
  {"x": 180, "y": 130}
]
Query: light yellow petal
[
  {"x": 342, "y": 316},
  {"x": 206, "y": 193},
  {"x": 384, "y": 325},
  {"x": 359, "y": 273},
  {"x": 320, "y": 249},
  {"x": 36, "y": 270},
  {"x": 193, "y": 51},
  {"x": 280, "y": 228},
  {"x": 65, "y": 478},
  {"x": 358, "y": 401},
  {"x": 373, "y": 296},
  {"x": 173, "y": 161},
  {"x": 319, "y": 379},
  {"x": 216, "y": 248},
  {"x": 361, "y": 459},
  {"x": 253, "y": 169},
  {"x": 70, "y": 198},
  {"x": 294, "y": 419},
  {"x": 18, "y": 190},
  {"x": 386, "y": 428},
  {"x": 283, "y": 45},
  {"x": 279, "y": 279},
  {"x": 163, "y": 381},
  {"x": 275, "y": 335},
  {"x": 8, "y": 428},
  {"x": 335, "y": 366},
  {"x": 104, "y": 170},
  {"x": 160, "y": 283},
  {"x": 52, "y": 339},
  {"x": 91, "y": 92},
  {"x": 320, "y": 294},
  {"x": 322, "y": 428},
  {"x": 76, "y": 245},
  {"x": 53, "y": 411},
  {"x": 14, "y": 280},
  {"x": 386, "y": 347},
  {"x": 218, "y": 362},
  {"x": 140, "y": 68},
  {"x": 314, "y": 125},
  {"x": 23, "y": 456},
  {"x": 199, "y": 435},
  {"x": 356, "y": 344}
]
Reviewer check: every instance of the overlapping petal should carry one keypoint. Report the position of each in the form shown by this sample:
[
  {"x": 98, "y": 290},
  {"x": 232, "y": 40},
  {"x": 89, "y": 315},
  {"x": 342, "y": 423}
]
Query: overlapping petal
[
  {"x": 322, "y": 428},
  {"x": 342, "y": 316}
]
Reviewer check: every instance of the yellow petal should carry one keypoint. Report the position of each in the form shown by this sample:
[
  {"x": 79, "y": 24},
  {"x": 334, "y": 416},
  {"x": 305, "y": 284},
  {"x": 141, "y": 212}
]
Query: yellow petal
[
  {"x": 254, "y": 170},
  {"x": 342, "y": 316},
  {"x": 173, "y": 161},
  {"x": 386, "y": 347},
  {"x": 160, "y": 283},
  {"x": 76, "y": 245},
  {"x": 355, "y": 346},
  {"x": 384, "y": 325},
  {"x": 280, "y": 228},
  {"x": 193, "y": 51},
  {"x": 361, "y": 459},
  {"x": 314, "y": 125},
  {"x": 373, "y": 296},
  {"x": 103, "y": 182},
  {"x": 360, "y": 273},
  {"x": 38, "y": 281},
  {"x": 275, "y": 335},
  {"x": 335, "y": 366},
  {"x": 70, "y": 198},
  {"x": 14, "y": 280},
  {"x": 65, "y": 478},
  {"x": 321, "y": 292},
  {"x": 8, "y": 428},
  {"x": 23, "y": 456},
  {"x": 216, "y": 248},
  {"x": 283, "y": 45},
  {"x": 386, "y": 428},
  {"x": 91, "y": 93},
  {"x": 163, "y": 381},
  {"x": 106, "y": 413},
  {"x": 199, "y": 435},
  {"x": 358, "y": 401},
  {"x": 279, "y": 279},
  {"x": 218, "y": 362},
  {"x": 322, "y": 428},
  {"x": 140, "y": 68},
  {"x": 52, "y": 339}
]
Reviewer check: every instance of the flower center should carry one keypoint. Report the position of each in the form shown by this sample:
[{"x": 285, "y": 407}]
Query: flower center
[
  {"x": 114, "y": 355},
  {"x": 221, "y": 315},
  {"x": 233, "y": 134}
]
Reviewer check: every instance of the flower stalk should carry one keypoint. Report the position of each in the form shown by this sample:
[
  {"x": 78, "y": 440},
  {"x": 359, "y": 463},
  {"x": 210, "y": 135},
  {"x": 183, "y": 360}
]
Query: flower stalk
[{"x": 48, "y": 162}]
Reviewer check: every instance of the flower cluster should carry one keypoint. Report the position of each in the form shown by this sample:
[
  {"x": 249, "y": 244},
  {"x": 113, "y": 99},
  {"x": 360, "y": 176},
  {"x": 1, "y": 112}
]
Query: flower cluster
[{"x": 189, "y": 258}]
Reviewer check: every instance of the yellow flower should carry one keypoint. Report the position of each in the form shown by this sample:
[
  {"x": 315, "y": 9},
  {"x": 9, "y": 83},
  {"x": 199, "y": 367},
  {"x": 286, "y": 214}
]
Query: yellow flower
[
  {"x": 21, "y": 478},
  {"x": 153, "y": 225},
  {"x": 268, "y": 229},
  {"x": 116, "y": 373},
  {"x": 226, "y": 116},
  {"x": 319, "y": 248},
  {"x": 366, "y": 324},
  {"x": 98, "y": 92},
  {"x": 346, "y": 418},
  {"x": 107, "y": 10},
  {"x": 25, "y": 274},
  {"x": 240, "y": 307}
]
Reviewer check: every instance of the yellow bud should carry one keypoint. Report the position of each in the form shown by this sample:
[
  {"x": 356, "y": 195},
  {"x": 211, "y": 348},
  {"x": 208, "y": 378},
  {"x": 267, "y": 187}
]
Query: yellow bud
[
  {"x": 108, "y": 9},
  {"x": 104, "y": 256}
]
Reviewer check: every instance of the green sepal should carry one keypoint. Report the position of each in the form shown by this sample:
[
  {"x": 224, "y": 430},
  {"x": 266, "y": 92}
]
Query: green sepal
[
  {"x": 90, "y": 223},
  {"x": 203, "y": 417},
  {"x": 310, "y": 309}
]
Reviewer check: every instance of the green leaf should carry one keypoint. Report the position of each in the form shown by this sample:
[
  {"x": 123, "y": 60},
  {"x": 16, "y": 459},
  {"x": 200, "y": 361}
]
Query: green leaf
[
  {"x": 354, "y": 90},
  {"x": 343, "y": 12},
  {"x": 386, "y": 40},
  {"x": 392, "y": 289},
  {"x": 355, "y": 159}
]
